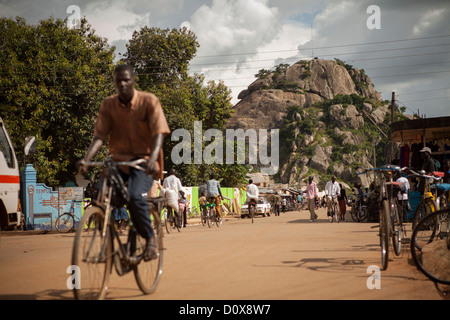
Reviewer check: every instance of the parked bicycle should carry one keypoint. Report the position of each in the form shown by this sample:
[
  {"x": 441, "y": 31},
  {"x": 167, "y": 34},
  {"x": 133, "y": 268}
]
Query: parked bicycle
[
  {"x": 67, "y": 221},
  {"x": 430, "y": 246},
  {"x": 390, "y": 222},
  {"x": 359, "y": 209},
  {"x": 427, "y": 203},
  {"x": 98, "y": 246}
]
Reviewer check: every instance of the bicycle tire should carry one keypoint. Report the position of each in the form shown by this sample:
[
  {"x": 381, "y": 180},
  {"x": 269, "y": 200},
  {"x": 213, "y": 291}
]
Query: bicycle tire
[
  {"x": 65, "y": 223},
  {"x": 178, "y": 220},
  {"x": 355, "y": 214},
  {"x": 396, "y": 224},
  {"x": 363, "y": 213},
  {"x": 252, "y": 215},
  {"x": 92, "y": 254},
  {"x": 424, "y": 208},
  {"x": 169, "y": 220},
  {"x": 148, "y": 273},
  {"x": 204, "y": 216},
  {"x": 384, "y": 234},
  {"x": 430, "y": 247}
]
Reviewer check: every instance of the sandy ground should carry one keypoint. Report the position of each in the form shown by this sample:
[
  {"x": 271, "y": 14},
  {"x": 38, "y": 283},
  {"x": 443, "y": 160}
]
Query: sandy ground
[{"x": 275, "y": 258}]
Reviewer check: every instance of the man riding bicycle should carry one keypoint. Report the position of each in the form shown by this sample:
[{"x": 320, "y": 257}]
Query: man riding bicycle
[
  {"x": 332, "y": 191},
  {"x": 213, "y": 193},
  {"x": 135, "y": 124},
  {"x": 252, "y": 195}
]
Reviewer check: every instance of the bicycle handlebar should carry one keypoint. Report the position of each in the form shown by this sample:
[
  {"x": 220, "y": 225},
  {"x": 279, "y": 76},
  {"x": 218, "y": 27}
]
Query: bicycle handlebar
[
  {"x": 425, "y": 176},
  {"x": 388, "y": 168},
  {"x": 133, "y": 164}
]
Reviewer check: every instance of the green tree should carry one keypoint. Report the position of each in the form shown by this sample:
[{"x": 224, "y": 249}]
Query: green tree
[
  {"x": 161, "y": 60},
  {"x": 52, "y": 82}
]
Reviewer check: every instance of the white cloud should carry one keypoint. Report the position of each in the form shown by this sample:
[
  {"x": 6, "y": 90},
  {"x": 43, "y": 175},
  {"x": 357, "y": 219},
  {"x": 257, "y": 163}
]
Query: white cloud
[
  {"x": 248, "y": 34},
  {"x": 114, "y": 20}
]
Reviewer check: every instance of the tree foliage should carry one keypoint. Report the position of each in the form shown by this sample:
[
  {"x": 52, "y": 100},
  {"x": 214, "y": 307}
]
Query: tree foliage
[
  {"x": 161, "y": 60},
  {"x": 53, "y": 80}
]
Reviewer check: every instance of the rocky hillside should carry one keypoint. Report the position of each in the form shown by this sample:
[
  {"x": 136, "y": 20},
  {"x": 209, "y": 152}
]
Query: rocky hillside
[{"x": 329, "y": 114}]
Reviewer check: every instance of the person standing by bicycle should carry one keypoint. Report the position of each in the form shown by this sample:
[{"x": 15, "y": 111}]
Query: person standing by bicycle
[
  {"x": 332, "y": 191},
  {"x": 311, "y": 194},
  {"x": 213, "y": 193},
  {"x": 134, "y": 124},
  {"x": 252, "y": 192}
]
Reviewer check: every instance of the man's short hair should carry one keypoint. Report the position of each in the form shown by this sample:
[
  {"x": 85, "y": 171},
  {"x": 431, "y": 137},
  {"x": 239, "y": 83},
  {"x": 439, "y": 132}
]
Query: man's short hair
[
  {"x": 123, "y": 67},
  {"x": 250, "y": 181}
]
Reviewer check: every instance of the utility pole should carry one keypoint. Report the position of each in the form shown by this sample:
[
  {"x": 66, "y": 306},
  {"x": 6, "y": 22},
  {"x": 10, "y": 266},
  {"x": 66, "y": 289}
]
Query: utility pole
[{"x": 391, "y": 156}]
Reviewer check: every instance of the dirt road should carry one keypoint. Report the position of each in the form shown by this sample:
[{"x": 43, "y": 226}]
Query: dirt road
[{"x": 284, "y": 257}]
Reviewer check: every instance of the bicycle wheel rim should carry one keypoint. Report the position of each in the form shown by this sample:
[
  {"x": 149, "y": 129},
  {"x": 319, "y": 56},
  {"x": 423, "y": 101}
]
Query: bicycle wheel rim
[
  {"x": 92, "y": 255},
  {"x": 148, "y": 273},
  {"x": 384, "y": 234},
  {"x": 430, "y": 247},
  {"x": 65, "y": 223},
  {"x": 397, "y": 230}
]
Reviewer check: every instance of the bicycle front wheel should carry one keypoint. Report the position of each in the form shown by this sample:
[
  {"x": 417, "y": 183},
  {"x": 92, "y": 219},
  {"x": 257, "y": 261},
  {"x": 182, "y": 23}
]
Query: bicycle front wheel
[
  {"x": 337, "y": 213},
  {"x": 92, "y": 255},
  {"x": 425, "y": 208},
  {"x": 148, "y": 273},
  {"x": 65, "y": 223},
  {"x": 384, "y": 234},
  {"x": 430, "y": 246},
  {"x": 396, "y": 225}
]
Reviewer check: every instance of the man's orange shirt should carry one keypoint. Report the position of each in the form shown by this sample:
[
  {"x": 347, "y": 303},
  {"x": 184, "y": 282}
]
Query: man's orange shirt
[{"x": 131, "y": 128}]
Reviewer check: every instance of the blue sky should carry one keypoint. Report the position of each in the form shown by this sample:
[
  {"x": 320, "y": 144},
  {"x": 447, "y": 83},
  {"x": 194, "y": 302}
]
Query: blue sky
[{"x": 409, "y": 54}]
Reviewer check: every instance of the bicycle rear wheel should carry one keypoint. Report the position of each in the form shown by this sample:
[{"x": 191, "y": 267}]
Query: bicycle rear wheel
[
  {"x": 169, "y": 220},
  {"x": 92, "y": 255},
  {"x": 430, "y": 246},
  {"x": 65, "y": 223},
  {"x": 384, "y": 233},
  {"x": 148, "y": 273}
]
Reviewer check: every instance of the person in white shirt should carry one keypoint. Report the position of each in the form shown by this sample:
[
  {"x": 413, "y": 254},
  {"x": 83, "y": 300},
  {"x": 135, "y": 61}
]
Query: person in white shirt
[
  {"x": 172, "y": 182},
  {"x": 252, "y": 191},
  {"x": 332, "y": 191},
  {"x": 402, "y": 197},
  {"x": 252, "y": 194}
]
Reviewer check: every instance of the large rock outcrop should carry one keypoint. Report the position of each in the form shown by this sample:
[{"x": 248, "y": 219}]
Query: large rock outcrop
[{"x": 328, "y": 114}]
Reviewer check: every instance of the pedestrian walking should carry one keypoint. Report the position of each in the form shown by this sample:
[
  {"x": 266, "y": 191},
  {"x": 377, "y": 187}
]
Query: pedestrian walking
[
  {"x": 311, "y": 195},
  {"x": 342, "y": 199}
]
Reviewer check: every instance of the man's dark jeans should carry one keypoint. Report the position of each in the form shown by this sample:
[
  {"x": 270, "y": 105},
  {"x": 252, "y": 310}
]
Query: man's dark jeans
[{"x": 139, "y": 183}]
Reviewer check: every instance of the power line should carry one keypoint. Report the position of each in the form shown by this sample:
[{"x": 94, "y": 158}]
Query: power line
[{"x": 324, "y": 47}]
